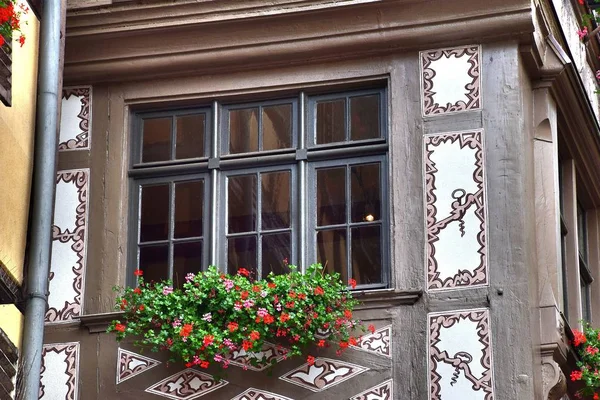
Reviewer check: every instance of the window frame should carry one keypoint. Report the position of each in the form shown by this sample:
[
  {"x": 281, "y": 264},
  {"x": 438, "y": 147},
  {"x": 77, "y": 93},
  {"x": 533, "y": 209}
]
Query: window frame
[{"x": 218, "y": 164}]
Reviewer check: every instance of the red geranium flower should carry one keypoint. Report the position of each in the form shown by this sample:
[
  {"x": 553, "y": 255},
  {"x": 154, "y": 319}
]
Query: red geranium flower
[
  {"x": 232, "y": 326},
  {"x": 576, "y": 375},
  {"x": 254, "y": 335},
  {"x": 578, "y": 337},
  {"x": 120, "y": 327},
  {"x": 310, "y": 360},
  {"x": 243, "y": 272},
  {"x": 371, "y": 328},
  {"x": 204, "y": 364},
  {"x": 208, "y": 339},
  {"x": 321, "y": 343},
  {"x": 141, "y": 307},
  {"x": 186, "y": 330},
  {"x": 319, "y": 291},
  {"x": 284, "y": 317},
  {"x": 247, "y": 345},
  {"x": 271, "y": 285},
  {"x": 352, "y": 282},
  {"x": 138, "y": 272},
  {"x": 137, "y": 290}
]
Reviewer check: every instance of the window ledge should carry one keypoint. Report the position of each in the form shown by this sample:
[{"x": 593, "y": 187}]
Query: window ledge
[
  {"x": 386, "y": 298},
  {"x": 98, "y": 323}
]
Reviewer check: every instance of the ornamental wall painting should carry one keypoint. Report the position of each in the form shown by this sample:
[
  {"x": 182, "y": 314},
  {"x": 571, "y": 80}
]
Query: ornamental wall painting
[
  {"x": 378, "y": 342},
  {"x": 188, "y": 384},
  {"x": 75, "y": 119},
  {"x": 322, "y": 374},
  {"x": 455, "y": 210},
  {"x": 450, "y": 80},
  {"x": 460, "y": 355},
  {"x": 130, "y": 364},
  {"x": 59, "y": 373},
  {"x": 257, "y": 394},
  {"x": 383, "y": 391},
  {"x": 69, "y": 246}
]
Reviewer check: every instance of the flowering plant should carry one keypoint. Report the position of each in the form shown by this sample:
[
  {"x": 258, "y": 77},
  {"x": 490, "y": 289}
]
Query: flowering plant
[
  {"x": 587, "y": 344},
  {"x": 216, "y": 314},
  {"x": 10, "y": 20}
]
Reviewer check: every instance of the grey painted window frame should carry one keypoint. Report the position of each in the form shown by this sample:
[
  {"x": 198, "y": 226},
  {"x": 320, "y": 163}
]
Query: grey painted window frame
[{"x": 302, "y": 160}]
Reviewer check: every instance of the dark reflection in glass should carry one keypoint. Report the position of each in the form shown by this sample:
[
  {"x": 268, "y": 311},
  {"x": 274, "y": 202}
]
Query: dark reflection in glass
[
  {"x": 366, "y": 254},
  {"x": 331, "y": 196},
  {"x": 156, "y": 143},
  {"x": 190, "y": 136},
  {"x": 188, "y": 208},
  {"x": 277, "y": 127},
  {"x": 365, "y": 193},
  {"x": 154, "y": 262},
  {"x": 241, "y": 207},
  {"x": 275, "y": 248},
  {"x": 275, "y": 213},
  {"x": 187, "y": 257},
  {"x": 154, "y": 221},
  {"x": 331, "y": 251},
  {"x": 243, "y": 130},
  {"x": 364, "y": 117},
  {"x": 241, "y": 253},
  {"x": 331, "y": 121}
]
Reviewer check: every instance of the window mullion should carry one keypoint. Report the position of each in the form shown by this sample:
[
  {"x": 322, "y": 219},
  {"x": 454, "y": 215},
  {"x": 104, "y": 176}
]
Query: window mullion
[
  {"x": 302, "y": 185},
  {"x": 348, "y": 219},
  {"x": 171, "y": 226},
  {"x": 214, "y": 176},
  {"x": 258, "y": 225}
]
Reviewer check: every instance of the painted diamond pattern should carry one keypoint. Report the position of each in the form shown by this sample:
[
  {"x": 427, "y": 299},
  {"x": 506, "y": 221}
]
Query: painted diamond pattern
[
  {"x": 323, "y": 374},
  {"x": 130, "y": 364},
  {"x": 256, "y": 394},
  {"x": 186, "y": 385},
  {"x": 270, "y": 354},
  {"x": 378, "y": 342},
  {"x": 383, "y": 391}
]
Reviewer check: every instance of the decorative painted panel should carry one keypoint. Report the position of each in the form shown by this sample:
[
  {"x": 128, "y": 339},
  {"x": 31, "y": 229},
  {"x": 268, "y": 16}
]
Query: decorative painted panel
[
  {"x": 323, "y": 374},
  {"x": 378, "y": 342},
  {"x": 59, "y": 373},
  {"x": 256, "y": 394},
  {"x": 186, "y": 385},
  {"x": 270, "y": 354},
  {"x": 75, "y": 119},
  {"x": 460, "y": 355},
  {"x": 384, "y": 391},
  {"x": 130, "y": 364},
  {"x": 69, "y": 245},
  {"x": 455, "y": 204},
  {"x": 450, "y": 80}
]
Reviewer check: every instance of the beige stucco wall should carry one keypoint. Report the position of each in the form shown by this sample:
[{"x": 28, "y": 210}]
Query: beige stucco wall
[{"x": 17, "y": 124}]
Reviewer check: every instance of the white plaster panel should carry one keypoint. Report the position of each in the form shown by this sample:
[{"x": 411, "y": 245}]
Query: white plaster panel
[
  {"x": 59, "y": 373},
  {"x": 75, "y": 119}
]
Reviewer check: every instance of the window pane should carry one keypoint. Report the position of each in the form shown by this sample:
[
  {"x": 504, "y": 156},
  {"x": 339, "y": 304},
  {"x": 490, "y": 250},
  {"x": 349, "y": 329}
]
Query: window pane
[
  {"x": 241, "y": 253},
  {"x": 188, "y": 209},
  {"x": 582, "y": 232},
  {"x": 187, "y": 257},
  {"x": 156, "y": 145},
  {"x": 190, "y": 136},
  {"x": 154, "y": 262},
  {"x": 331, "y": 251},
  {"x": 154, "y": 224},
  {"x": 241, "y": 197},
  {"x": 366, "y": 254},
  {"x": 275, "y": 213},
  {"x": 331, "y": 121},
  {"x": 275, "y": 248},
  {"x": 331, "y": 196},
  {"x": 243, "y": 130},
  {"x": 364, "y": 117},
  {"x": 366, "y": 193},
  {"x": 277, "y": 127}
]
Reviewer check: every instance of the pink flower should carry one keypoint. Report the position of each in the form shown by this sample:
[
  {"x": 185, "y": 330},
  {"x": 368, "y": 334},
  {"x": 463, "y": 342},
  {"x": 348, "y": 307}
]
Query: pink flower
[
  {"x": 598, "y": 74},
  {"x": 248, "y": 303},
  {"x": 218, "y": 358},
  {"x": 207, "y": 317},
  {"x": 582, "y": 33},
  {"x": 189, "y": 277},
  {"x": 176, "y": 323},
  {"x": 167, "y": 290},
  {"x": 237, "y": 306},
  {"x": 262, "y": 312},
  {"x": 228, "y": 284}
]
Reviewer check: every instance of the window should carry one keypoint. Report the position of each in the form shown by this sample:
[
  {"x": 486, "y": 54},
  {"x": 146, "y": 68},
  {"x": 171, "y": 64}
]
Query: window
[
  {"x": 6, "y": 72},
  {"x": 302, "y": 179},
  {"x": 585, "y": 275}
]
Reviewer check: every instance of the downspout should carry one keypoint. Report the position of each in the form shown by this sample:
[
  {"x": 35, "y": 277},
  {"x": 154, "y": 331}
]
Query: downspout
[{"x": 43, "y": 191}]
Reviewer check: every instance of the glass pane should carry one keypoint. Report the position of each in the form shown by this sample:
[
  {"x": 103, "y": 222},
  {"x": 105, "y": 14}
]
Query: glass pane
[
  {"x": 241, "y": 253},
  {"x": 331, "y": 251},
  {"x": 277, "y": 127},
  {"x": 582, "y": 232},
  {"x": 275, "y": 213},
  {"x": 364, "y": 117},
  {"x": 331, "y": 121},
  {"x": 275, "y": 248},
  {"x": 189, "y": 198},
  {"x": 154, "y": 262},
  {"x": 190, "y": 136},
  {"x": 365, "y": 193},
  {"x": 241, "y": 192},
  {"x": 187, "y": 257},
  {"x": 243, "y": 130},
  {"x": 366, "y": 254},
  {"x": 154, "y": 224},
  {"x": 331, "y": 196},
  {"x": 156, "y": 145}
]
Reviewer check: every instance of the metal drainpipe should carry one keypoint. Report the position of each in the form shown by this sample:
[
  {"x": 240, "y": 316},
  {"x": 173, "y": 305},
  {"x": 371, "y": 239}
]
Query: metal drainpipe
[{"x": 43, "y": 191}]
